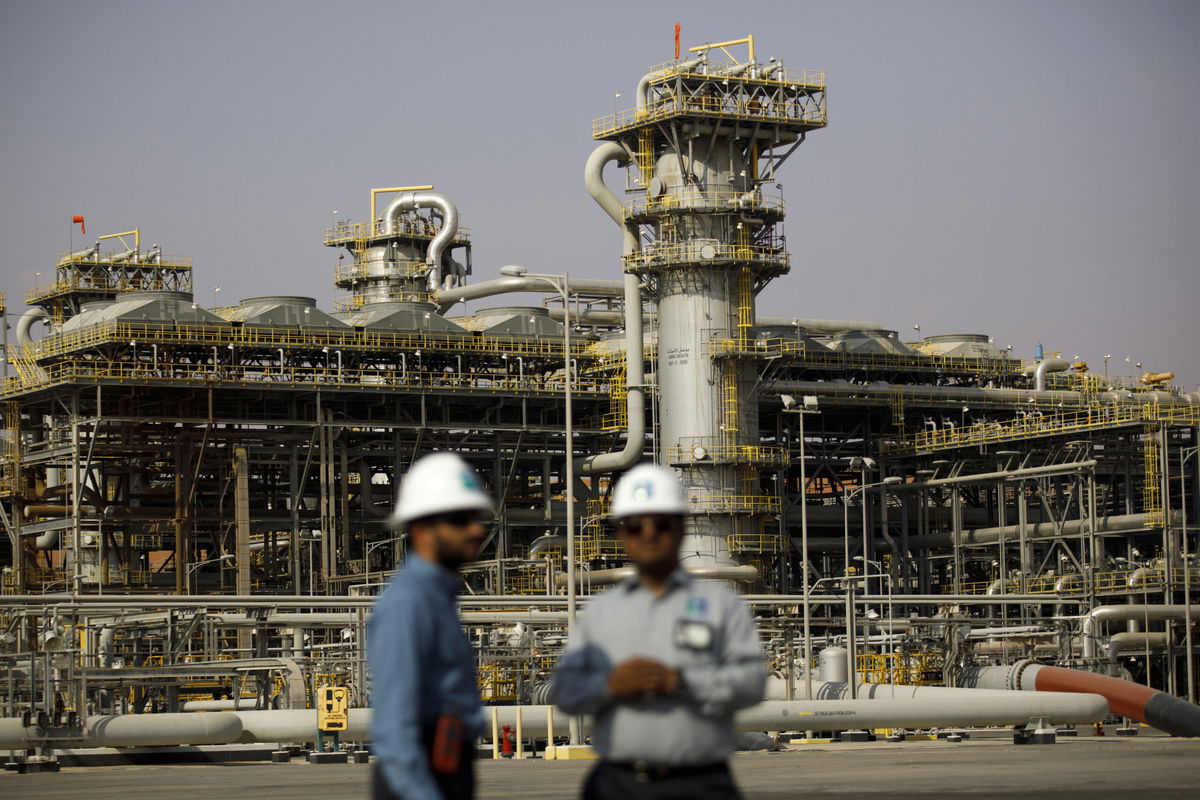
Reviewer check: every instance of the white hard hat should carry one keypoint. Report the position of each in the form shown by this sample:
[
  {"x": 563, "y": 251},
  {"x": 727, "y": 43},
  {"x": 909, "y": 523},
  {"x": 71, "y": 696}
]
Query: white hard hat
[
  {"x": 440, "y": 483},
  {"x": 648, "y": 489}
]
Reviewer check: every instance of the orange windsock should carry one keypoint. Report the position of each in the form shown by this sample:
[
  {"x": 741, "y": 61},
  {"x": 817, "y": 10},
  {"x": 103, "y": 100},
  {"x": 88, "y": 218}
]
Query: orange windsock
[
  {"x": 78, "y": 220},
  {"x": 676, "y": 41}
]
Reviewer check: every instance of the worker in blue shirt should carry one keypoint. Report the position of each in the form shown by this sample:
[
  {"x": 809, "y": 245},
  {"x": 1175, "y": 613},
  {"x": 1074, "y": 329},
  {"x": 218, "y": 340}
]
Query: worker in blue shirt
[
  {"x": 426, "y": 710},
  {"x": 661, "y": 661}
]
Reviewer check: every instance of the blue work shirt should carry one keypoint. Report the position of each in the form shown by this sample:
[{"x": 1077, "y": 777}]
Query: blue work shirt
[
  {"x": 699, "y": 628},
  {"x": 422, "y": 666}
]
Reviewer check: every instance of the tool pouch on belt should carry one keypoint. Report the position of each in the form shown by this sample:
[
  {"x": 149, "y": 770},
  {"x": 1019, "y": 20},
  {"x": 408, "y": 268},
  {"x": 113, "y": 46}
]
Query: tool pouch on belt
[{"x": 445, "y": 756}]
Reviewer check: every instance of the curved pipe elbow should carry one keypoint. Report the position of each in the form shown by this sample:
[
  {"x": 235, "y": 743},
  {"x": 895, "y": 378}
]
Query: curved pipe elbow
[
  {"x": 593, "y": 179},
  {"x": 635, "y": 397},
  {"x": 25, "y": 324},
  {"x": 1046, "y": 366},
  {"x": 411, "y": 201},
  {"x": 642, "y": 94}
]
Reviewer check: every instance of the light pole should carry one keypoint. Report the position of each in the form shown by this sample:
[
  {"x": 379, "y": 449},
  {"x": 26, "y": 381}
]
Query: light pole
[
  {"x": 887, "y": 576},
  {"x": 848, "y": 495},
  {"x": 561, "y": 284},
  {"x": 372, "y": 546},
  {"x": 193, "y": 567},
  {"x": 848, "y": 582},
  {"x": 809, "y": 406}
]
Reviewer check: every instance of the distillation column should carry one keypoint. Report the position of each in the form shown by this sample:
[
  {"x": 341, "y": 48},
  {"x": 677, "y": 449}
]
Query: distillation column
[{"x": 704, "y": 139}]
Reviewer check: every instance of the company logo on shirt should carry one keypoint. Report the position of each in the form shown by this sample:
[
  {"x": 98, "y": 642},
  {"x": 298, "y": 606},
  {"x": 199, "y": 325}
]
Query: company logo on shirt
[{"x": 696, "y": 606}]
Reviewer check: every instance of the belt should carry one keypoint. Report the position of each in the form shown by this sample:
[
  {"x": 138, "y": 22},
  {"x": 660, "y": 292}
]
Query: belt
[{"x": 645, "y": 772}]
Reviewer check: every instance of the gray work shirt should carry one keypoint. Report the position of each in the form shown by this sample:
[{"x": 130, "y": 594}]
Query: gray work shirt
[{"x": 701, "y": 629}]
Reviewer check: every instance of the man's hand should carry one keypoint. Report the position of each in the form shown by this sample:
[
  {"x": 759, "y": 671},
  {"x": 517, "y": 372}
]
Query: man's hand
[{"x": 642, "y": 677}]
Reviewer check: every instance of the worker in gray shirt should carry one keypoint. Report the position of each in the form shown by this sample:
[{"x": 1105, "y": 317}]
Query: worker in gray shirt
[{"x": 661, "y": 661}]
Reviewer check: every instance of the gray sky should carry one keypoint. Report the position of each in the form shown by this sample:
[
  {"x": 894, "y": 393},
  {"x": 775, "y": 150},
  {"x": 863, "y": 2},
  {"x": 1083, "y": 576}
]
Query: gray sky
[{"x": 1030, "y": 170}]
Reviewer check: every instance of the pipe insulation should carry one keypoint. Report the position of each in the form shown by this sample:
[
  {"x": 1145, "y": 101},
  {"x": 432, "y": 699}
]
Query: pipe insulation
[
  {"x": 948, "y": 710},
  {"x": 635, "y": 378},
  {"x": 1135, "y": 611},
  {"x": 446, "y": 298},
  {"x": 959, "y": 394},
  {"x": 1125, "y": 698},
  {"x": 411, "y": 201},
  {"x": 1009, "y": 533},
  {"x": 133, "y": 730},
  {"x": 1045, "y": 366},
  {"x": 26, "y": 322}
]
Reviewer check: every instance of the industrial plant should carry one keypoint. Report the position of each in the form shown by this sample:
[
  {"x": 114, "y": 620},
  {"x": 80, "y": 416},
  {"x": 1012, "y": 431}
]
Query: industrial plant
[{"x": 195, "y": 497}]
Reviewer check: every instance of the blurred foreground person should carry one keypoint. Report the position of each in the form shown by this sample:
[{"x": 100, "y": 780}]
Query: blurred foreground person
[
  {"x": 426, "y": 709},
  {"x": 662, "y": 661}
]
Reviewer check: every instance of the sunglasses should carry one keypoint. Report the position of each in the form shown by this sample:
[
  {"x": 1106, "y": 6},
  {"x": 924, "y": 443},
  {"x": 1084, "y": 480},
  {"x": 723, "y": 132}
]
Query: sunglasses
[
  {"x": 637, "y": 525},
  {"x": 461, "y": 519}
]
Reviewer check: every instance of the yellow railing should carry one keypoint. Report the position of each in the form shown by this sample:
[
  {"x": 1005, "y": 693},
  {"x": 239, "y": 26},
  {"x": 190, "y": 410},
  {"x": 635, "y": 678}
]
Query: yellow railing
[
  {"x": 497, "y": 683},
  {"x": 798, "y": 105},
  {"x": 592, "y": 547},
  {"x": 1114, "y": 582},
  {"x": 697, "y": 200},
  {"x": 1032, "y": 425},
  {"x": 408, "y": 268},
  {"x": 907, "y": 669},
  {"x": 734, "y": 504},
  {"x": 120, "y": 333},
  {"x": 792, "y": 348},
  {"x": 757, "y": 543},
  {"x": 669, "y": 255},
  {"x": 107, "y": 283},
  {"x": 1152, "y": 503},
  {"x": 75, "y": 371},
  {"x": 410, "y": 226},
  {"x": 760, "y": 455}
]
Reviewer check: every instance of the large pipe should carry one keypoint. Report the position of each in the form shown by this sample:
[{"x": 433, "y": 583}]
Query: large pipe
[
  {"x": 25, "y": 324},
  {"x": 411, "y": 201},
  {"x": 1045, "y": 366},
  {"x": 642, "y": 93},
  {"x": 879, "y": 711},
  {"x": 980, "y": 536},
  {"x": 132, "y": 730},
  {"x": 635, "y": 378},
  {"x": 743, "y": 573},
  {"x": 957, "y": 394},
  {"x": 1128, "y": 699},
  {"x": 1137, "y": 611},
  {"x": 823, "y": 325},
  {"x": 446, "y": 298}
]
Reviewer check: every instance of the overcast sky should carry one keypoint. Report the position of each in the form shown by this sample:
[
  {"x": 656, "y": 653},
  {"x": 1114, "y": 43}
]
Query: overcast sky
[{"x": 1030, "y": 170}]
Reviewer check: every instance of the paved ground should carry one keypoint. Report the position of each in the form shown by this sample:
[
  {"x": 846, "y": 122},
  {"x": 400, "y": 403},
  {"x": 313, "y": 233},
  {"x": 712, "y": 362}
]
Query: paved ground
[{"x": 1145, "y": 768}]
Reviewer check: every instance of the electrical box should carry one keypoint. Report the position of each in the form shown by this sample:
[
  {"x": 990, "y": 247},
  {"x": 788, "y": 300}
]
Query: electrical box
[{"x": 333, "y": 708}]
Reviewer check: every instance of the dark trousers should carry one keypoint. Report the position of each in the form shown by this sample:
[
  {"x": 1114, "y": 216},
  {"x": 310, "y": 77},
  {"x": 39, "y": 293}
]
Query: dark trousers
[
  {"x": 624, "y": 782},
  {"x": 459, "y": 786}
]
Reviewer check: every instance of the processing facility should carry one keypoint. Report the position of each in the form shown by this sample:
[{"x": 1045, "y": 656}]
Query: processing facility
[{"x": 195, "y": 498}]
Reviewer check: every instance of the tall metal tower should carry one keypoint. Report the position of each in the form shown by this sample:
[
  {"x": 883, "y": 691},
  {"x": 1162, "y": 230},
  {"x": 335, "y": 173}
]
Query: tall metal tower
[{"x": 704, "y": 143}]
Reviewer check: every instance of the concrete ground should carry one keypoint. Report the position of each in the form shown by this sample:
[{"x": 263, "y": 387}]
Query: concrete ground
[{"x": 982, "y": 767}]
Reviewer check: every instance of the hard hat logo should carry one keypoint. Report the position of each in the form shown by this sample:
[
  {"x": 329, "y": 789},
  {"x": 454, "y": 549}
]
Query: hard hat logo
[
  {"x": 469, "y": 481},
  {"x": 648, "y": 489}
]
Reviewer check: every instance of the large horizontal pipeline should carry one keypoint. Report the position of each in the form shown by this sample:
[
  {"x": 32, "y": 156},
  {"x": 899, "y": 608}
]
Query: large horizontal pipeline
[
  {"x": 133, "y": 730},
  {"x": 96, "y": 604},
  {"x": 958, "y": 394},
  {"x": 950, "y": 710},
  {"x": 1135, "y": 701},
  {"x": 1008, "y": 533}
]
